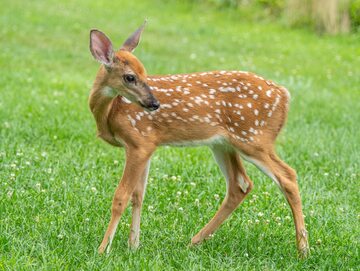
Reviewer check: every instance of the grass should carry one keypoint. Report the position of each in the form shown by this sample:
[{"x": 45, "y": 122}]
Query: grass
[{"x": 57, "y": 179}]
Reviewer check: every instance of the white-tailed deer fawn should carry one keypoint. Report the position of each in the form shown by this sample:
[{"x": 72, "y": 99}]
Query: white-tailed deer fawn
[{"x": 237, "y": 114}]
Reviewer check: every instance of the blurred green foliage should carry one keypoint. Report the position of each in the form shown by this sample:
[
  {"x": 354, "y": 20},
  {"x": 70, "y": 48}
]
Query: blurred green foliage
[
  {"x": 274, "y": 6},
  {"x": 274, "y": 9},
  {"x": 355, "y": 14}
]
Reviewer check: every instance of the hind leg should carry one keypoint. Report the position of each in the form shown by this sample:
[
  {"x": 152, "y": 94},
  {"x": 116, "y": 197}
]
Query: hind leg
[
  {"x": 285, "y": 177},
  {"x": 238, "y": 186}
]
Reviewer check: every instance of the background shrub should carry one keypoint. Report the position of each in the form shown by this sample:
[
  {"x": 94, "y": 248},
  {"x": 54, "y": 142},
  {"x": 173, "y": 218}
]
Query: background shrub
[
  {"x": 355, "y": 14},
  {"x": 324, "y": 16}
]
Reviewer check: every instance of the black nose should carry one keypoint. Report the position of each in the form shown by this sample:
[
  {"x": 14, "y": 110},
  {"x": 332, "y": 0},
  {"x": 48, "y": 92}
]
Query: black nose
[{"x": 154, "y": 105}]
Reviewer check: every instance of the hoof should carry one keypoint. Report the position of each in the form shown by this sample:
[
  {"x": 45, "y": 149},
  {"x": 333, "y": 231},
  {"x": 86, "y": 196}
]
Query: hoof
[
  {"x": 101, "y": 249},
  {"x": 303, "y": 245},
  {"x": 105, "y": 245},
  {"x": 196, "y": 240},
  {"x": 133, "y": 245},
  {"x": 304, "y": 251}
]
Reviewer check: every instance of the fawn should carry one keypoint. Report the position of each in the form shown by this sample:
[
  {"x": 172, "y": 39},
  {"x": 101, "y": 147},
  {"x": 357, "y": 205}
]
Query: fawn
[{"x": 237, "y": 114}]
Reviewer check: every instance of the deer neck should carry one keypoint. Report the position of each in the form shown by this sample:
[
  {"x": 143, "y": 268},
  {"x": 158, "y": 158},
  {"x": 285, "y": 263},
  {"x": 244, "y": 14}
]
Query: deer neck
[{"x": 100, "y": 103}]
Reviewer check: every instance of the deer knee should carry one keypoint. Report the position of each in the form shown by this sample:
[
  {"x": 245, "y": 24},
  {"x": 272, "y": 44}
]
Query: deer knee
[
  {"x": 232, "y": 200},
  {"x": 136, "y": 200},
  {"x": 116, "y": 209},
  {"x": 118, "y": 206},
  {"x": 290, "y": 187},
  {"x": 237, "y": 194},
  {"x": 290, "y": 174}
]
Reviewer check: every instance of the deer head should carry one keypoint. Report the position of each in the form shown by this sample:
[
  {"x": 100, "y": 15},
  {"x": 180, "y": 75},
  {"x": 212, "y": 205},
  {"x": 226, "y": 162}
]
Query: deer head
[{"x": 121, "y": 71}]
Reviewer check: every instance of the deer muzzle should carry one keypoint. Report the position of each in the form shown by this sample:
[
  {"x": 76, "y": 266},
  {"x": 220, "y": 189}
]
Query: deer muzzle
[{"x": 150, "y": 102}]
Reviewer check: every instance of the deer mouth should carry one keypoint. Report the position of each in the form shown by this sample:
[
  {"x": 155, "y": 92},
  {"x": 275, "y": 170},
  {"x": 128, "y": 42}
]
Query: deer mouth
[{"x": 151, "y": 106}]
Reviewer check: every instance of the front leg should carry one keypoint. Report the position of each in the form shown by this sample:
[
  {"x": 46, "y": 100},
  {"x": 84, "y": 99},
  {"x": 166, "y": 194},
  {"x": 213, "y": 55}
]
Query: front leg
[
  {"x": 136, "y": 162},
  {"x": 137, "y": 199}
]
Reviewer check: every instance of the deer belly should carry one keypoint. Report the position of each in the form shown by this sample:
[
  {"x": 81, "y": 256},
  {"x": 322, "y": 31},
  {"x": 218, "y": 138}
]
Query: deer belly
[{"x": 213, "y": 140}]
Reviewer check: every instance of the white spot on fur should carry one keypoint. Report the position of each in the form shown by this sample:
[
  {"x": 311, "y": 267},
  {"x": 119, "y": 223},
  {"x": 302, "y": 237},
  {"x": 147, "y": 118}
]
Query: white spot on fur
[
  {"x": 125, "y": 100},
  {"x": 166, "y": 106},
  {"x": 132, "y": 121}
]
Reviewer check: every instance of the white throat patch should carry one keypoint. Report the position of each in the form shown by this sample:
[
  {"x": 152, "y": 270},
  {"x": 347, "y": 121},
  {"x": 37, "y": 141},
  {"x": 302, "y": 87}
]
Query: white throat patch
[{"x": 109, "y": 92}]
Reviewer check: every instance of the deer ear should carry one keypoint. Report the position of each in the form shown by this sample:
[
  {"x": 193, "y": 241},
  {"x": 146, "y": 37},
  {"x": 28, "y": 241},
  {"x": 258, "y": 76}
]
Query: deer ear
[
  {"x": 101, "y": 47},
  {"x": 133, "y": 41}
]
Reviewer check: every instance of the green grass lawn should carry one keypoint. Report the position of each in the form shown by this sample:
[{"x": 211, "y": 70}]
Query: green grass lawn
[{"x": 57, "y": 179}]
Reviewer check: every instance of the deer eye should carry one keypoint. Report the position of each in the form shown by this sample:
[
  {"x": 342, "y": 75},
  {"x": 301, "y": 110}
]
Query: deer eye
[{"x": 129, "y": 78}]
